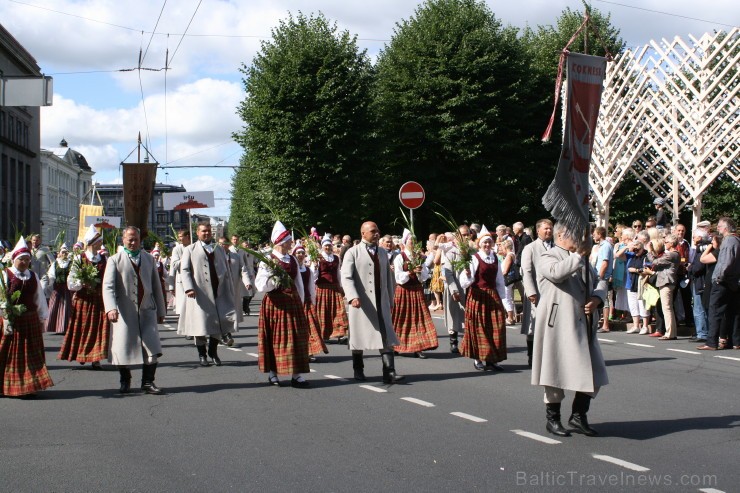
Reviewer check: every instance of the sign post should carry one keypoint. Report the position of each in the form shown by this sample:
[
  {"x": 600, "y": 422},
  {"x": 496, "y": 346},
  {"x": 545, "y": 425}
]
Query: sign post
[
  {"x": 411, "y": 196},
  {"x": 180, "y": 201}
]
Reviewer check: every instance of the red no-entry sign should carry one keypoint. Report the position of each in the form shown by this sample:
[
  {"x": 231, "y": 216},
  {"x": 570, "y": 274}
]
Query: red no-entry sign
[{"x": 411, "y": 195}]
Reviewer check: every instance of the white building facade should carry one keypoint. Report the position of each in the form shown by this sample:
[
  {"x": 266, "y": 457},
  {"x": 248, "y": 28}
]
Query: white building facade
[{"x": 66, "y": 178}]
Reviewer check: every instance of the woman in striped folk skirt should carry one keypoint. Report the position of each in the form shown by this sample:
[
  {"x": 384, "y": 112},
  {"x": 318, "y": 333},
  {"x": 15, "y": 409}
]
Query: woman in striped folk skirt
[
  {"x": 485, "y": 317},
  {"x": 330, "y": 307},
  {"x": 411, "y": 319},
  {"x": 316, "y": 343},
  {"x": 282, "y": 328},
  {"x": 22, "y": 360},
  {"x": 88, "y": 336},
  {"x": 60, "y": 302}
]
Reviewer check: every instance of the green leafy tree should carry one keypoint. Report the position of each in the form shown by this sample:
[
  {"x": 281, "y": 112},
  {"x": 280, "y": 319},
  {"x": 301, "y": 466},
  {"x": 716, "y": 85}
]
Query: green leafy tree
[
  {"x": 307, "y": 131},
  {"x": 451, "y": 99}
]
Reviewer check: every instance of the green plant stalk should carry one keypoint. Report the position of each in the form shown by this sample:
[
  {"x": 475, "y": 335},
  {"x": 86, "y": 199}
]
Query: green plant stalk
[{"x": 279, "y": 275}]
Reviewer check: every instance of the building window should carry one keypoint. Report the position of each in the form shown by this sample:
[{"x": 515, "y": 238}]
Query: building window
[{"x": 11, "y": 124}]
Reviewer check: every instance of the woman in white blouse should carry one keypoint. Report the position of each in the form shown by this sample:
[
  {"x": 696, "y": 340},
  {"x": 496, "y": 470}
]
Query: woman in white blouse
[
  {"x": 485, "y": 324},
  {"x": 411, "y": 319}
]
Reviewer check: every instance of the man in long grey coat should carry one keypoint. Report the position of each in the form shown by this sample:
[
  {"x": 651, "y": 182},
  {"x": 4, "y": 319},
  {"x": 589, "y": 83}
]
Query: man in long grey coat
[
  {"x": 209, "y": 309},
  {"x": 369, "y": 286},
  {"x": 454, "y": 294},
  {"x": 566, "y": 351},
  {"x": 530, "y": 256},
  {"x": 134, "y": 305}
]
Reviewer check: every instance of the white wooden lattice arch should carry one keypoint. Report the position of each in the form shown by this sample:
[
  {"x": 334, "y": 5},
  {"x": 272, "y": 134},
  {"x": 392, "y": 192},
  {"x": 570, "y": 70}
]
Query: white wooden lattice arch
[{"x": 670, "y": 117}]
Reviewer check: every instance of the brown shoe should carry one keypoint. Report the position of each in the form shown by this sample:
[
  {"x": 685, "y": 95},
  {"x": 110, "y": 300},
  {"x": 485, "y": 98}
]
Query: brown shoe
[{"x": 706, "y": 348}]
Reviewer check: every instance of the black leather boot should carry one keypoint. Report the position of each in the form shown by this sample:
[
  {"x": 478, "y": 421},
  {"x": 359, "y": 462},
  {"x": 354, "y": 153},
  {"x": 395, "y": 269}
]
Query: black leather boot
[
  {"x": 530, "y": 351},
  {"x": 358, "y": 366},
  {"x": 213, "y": 350},
  {"x": 125, "y": 380},
  {"x": 202, "y": 356},
  {"x": 453, "y": 343},
  {"x": 578, "y": 419},
  {"x": 554, "y": 425},
  {"x": 389, "y": 369},
  {"x": 147, "y": 380}
]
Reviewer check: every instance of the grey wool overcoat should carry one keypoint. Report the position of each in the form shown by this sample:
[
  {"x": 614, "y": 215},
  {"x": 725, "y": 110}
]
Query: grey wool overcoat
[
  {"x": 205, "y": 314},
  {"x": 564, "y": 355},
  {"x": 530, "y": 256},
  {"x": 136, "y": 332},
  {"x": 358, "y": 281}
]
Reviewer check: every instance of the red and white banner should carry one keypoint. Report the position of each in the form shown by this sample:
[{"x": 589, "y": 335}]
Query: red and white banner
[{"x": 567, "y": 198}]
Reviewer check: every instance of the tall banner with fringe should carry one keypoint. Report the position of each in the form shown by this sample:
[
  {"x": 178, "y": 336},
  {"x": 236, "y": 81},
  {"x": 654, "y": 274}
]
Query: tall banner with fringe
[{"x": 567, "y": 197}]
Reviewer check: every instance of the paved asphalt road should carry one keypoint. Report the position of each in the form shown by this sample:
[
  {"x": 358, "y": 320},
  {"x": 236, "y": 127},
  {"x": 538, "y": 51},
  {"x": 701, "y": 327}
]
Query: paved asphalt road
[{"x": 669, "y": 421}]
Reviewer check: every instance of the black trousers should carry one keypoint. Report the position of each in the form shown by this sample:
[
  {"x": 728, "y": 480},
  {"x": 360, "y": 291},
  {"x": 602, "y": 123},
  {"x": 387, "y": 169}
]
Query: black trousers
[{"x": 723, "y": 309}]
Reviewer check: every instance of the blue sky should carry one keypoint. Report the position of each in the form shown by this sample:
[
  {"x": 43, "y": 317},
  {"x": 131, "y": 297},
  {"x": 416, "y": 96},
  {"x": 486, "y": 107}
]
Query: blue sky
[{"x": 100, "y": 114}]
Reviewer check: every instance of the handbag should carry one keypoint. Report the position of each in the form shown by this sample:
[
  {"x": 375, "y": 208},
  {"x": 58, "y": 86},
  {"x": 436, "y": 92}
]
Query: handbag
[{"x": 512, "y": 276}]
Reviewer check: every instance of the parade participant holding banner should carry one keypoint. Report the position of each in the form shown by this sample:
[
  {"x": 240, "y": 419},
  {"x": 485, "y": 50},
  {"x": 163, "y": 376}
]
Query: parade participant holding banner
[{"x": 566, "y": 353}]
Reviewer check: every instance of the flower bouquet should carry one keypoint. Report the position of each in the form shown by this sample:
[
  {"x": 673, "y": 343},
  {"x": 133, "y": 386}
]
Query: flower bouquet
[
  {"x": 10, "y": 309},
  {"x": 417, "y": 258},
  {"x": 85, "y": 272},
  {"x": 313, "y": 250}
]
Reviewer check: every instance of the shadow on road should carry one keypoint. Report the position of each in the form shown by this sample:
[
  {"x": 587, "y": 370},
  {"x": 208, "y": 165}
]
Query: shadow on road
[{"x": 646, "y": 430}]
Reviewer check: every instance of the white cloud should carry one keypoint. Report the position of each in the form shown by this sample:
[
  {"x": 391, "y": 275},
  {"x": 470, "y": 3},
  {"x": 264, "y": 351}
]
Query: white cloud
[
  {"x": 203, "y": 85},
  {"x": 198, "y": 114}
]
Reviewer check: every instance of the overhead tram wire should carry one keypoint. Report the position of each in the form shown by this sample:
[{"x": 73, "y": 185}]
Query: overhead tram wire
[
  {"x": 359, "y": 39},
  {"x": 153, "y": 31},
  {"x": 143, "y": 102},
  {"x": 166, "y": 66},
  {"x": 186, "y": 30},
  {"x": 666, "y": 13},
  {"x": 199, "y": 152}
]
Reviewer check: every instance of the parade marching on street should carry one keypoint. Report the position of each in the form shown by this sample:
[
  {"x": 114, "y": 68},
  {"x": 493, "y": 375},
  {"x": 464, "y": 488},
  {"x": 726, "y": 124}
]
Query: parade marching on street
[
  {"x": 669, "y": 412},
  {"x": 667, "y": 420}
]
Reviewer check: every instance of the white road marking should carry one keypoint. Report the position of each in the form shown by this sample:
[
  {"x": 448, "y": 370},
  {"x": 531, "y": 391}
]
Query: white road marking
[
  {"x": 711, "y": 490},
  {"x": 620, "y": 462},
  {"x": 638, "y": 344},
  {"x": 334, "y": 377},
  {"x": 417, "y": 401},
  {"x": 312, "y": 370},
  {"x": 233, "y": 349},
  {"x": 728, "y": 357},
  {"x": 254, "y": 355},
  {"x": 606, "y": 340},
  {"x": 374, "y": 389},
  {"x": 470, "y": 417},
  {"x": 535, "y": 436},
  {"x": 683, "y": 351}
]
